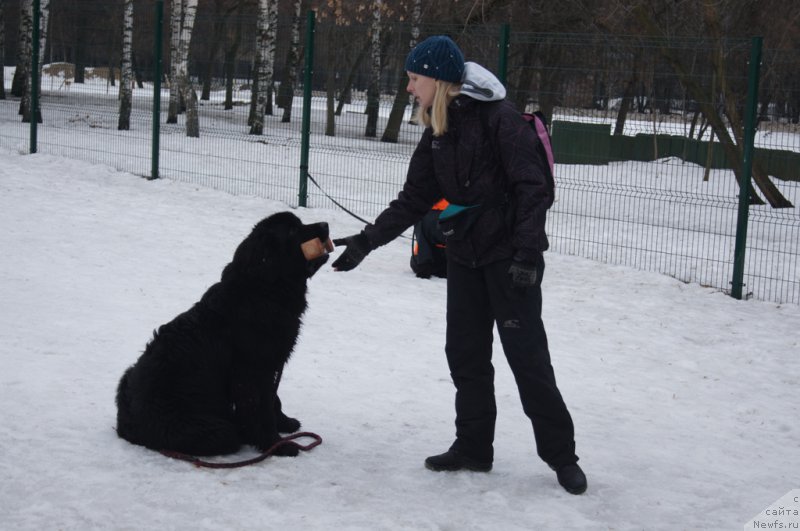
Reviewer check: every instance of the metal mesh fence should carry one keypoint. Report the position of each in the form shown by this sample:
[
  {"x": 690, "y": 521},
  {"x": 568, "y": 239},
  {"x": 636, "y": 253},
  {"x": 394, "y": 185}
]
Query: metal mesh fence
[
  {"x": 643, "y": 177},
  {"x": 660, "y": 193}
]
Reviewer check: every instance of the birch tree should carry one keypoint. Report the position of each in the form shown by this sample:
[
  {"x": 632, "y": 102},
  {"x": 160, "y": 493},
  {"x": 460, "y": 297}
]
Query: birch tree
[
  {"x": 265, "y": 53},
  {"x": 25, "y": 102},
  {"x": 185, "y": 85},
  {"x": 2, "y": 54},
  {"x": 126, "y": 69},
  {"x": 416, "y": 19},
  {"x": 24, "y": 49},
  {"x": 286, "y": 93},
  {"x": 272, "y": 34},
  {"x": 44, "y": 18},
  {"x": 373, "y": 92},
  {"x": 175, "y": 21}
]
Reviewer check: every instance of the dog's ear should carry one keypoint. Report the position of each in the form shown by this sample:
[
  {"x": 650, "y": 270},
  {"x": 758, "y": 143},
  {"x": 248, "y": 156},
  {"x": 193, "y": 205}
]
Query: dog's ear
[
  {"x": 275, "y": 248},
  {"x": 256, "y": 253}
]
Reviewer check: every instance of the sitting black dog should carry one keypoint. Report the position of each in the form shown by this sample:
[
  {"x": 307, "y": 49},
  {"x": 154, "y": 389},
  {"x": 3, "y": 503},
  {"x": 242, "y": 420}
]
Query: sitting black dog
[{"x": 207, "y": 382}]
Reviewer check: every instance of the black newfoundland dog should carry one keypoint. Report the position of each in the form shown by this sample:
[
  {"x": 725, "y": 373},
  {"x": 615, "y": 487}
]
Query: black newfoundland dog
[{"x": 207, "y": 382}]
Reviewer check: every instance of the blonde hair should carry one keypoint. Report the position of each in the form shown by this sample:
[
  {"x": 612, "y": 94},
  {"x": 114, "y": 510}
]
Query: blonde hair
[{"x": 436, "y": 115}]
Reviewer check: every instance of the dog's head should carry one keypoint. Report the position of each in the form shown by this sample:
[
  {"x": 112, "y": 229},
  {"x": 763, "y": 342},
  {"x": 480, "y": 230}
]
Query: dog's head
[{"x": 281, "y": 248}]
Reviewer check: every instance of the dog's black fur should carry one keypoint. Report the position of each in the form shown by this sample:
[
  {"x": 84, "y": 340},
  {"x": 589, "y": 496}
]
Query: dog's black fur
[{"x": 207, "y": 382}]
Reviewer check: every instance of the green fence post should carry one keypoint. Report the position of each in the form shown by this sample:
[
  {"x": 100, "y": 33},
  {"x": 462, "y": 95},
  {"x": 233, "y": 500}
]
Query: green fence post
[
  {"x": 502, "y": 62},
  {"x": 308, "y": 69},
  {"x": 34, "y": 110},
  {"x": 747, "y": 167},
  {"x": 157, "y": 55}
]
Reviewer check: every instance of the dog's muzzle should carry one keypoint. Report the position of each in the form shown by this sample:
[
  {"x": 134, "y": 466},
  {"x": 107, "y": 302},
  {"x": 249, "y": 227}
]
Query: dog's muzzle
[
  {"x": 316, "y": 253},
  {"x": 314, "y": 248}
]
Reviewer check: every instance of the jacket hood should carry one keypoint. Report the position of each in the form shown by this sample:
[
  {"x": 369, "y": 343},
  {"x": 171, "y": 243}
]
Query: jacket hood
[{"x": 480, "y": 84}]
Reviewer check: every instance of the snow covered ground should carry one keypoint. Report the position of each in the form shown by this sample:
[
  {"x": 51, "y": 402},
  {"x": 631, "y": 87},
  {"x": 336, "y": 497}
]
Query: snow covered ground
[{"x": 684, "y": 399}]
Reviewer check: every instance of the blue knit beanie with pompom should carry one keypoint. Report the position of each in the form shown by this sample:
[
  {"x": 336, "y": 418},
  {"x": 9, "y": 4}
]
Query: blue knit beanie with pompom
[{"x": 437, "y": 57}]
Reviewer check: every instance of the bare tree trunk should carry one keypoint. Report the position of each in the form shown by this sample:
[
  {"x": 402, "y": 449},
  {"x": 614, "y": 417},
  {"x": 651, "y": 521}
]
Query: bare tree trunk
[
  {"x": 178, "y": 7},
  {"x": 184, "y": 82},
  {"x": 126, "y": 70},
  {"x": 551, "y": 79},
  {"x": 624, "y": 107},
  {"x": 286, "y": 94},
  {"x": 330, "y": 85},
  {"x": 374, "y": 90},
  {"x": 137, "y": 72},
  {"x": 401, "y": 98},
  {"x": 392, "y": 131},
  {"x": 25, "y": 49},
  {"x": 44, "y": 18},
  {"x": 25, "y": 102},
  {"x": 230, "y": 59},
  {"x": 709, "y": 156},
  {"x": 272, "y": 34},
  {"x": 251, "y": 116},
  {"x": 265, "y": 50},
  {"x": 2, "y": 54},
  {"x": 416, "y": 18},
  {"x": 627, "y": 97},
  {"x": 525, "y": 78},
  {"x": 219, "y": 27},
  {"x": 654, "y": 114},
  {"x": 79, "y": 75},
  {"x": 348, "y": 83},
  {"x": 693, "y": 125}
]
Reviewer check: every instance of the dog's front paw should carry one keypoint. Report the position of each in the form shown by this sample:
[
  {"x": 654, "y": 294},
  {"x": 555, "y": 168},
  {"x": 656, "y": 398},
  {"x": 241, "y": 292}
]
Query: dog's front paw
[
  {"x": 287, "y": 424},
  {"x": 287, "y": 449},
  {"x": 277, "y": 446}
]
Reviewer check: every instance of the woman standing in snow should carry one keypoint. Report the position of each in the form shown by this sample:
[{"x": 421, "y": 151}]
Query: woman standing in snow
[{"x": 479, "y": 154}]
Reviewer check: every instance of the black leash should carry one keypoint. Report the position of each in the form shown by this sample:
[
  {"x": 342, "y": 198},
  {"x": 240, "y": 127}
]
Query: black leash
[
  {"x": 337, "y": 203},
  {"x": 334, "y": 201},
  {"x": 196, "y": 461}
]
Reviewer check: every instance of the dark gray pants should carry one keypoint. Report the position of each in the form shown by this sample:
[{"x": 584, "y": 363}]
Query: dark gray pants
[{"x": 477, "y": 298}]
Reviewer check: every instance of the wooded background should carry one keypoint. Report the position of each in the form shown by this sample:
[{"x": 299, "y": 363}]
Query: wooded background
[
  {"x": 620, "y": 81},
  {"x": 89, "y": 33}
]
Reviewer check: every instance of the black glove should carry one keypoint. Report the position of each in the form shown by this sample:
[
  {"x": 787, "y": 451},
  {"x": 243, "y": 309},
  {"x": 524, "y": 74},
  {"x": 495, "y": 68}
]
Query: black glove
[
  {"x": 523, "y": 274},
  {"x": 357, "y": 248}
]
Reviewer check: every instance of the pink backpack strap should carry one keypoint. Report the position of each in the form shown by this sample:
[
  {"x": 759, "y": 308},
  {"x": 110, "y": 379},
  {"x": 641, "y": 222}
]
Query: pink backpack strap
[{"x": 544, "y": 137}]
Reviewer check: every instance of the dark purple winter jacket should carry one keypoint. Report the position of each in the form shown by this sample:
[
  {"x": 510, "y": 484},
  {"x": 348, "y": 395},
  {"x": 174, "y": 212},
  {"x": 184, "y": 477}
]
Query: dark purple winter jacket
[{"x": 488, "y": 157}]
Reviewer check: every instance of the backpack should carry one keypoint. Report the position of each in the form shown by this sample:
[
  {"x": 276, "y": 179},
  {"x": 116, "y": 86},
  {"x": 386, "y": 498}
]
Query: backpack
[
  {"x": 538, "y": 123},
  {"x": 428, "y": 245}
]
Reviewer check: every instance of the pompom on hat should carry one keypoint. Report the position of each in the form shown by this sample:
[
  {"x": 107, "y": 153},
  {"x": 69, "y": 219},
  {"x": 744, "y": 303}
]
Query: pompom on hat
[{"x": 437, "y": 57}]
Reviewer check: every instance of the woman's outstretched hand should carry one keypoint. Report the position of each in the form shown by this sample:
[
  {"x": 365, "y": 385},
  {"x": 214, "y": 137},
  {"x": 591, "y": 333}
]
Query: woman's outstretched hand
[{"x": 357, "y": 248}]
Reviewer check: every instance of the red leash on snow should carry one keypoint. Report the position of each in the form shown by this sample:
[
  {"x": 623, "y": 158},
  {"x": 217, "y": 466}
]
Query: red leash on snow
[{"x": 196, "y": 461}]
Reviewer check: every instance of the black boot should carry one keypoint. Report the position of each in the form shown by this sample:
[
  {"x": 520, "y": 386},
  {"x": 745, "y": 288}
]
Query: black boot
[
  {"x": 452, "y": 460},
  {"x": 571, "y": 477}
]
